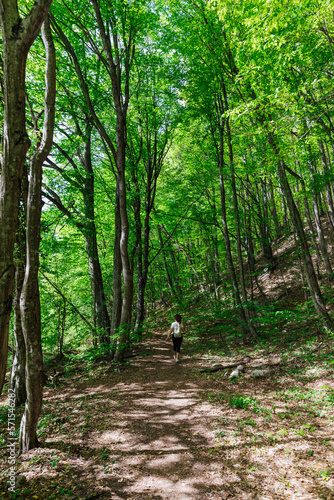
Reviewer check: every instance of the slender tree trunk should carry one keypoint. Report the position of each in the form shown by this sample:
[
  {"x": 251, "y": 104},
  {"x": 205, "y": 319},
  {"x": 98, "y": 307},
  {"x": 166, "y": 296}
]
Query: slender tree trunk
[
  {"x": 309, "y": 218},
  {"x": 30, "y": 300},
  {"x": 300, "y": 268},
  {"x": 286, "y": 223},
  {"x": 168, "y": 276},
  {"x": 142, "y": 248},
  {"x": 229, "y": 258},
  {"x": 117, "y": 272},
  {"x": 307, "y": 211},
  {"x": 61, "y": 326},
  {"x": 264, "y": 227},
  {"x": 101, "y": 316},
  {"x": 249, "y": 247},
  {"x": 273, "y": 209},
  {"x": 139, "y": 253},
  {"x": 143, "y": 265},
  {"x": 322, "y": 242},
  {"x": 317, "y": 213},
  {"x": 213, "y": 245},
  {"x": 118, "y": 60},
  {"x": 237, "y": 299},
  {"x": 127, "y": 271},
  {"x": 310, "y": 224},
  {"x": 18, "y": 374},
  {"x": 147, "y": 230}
]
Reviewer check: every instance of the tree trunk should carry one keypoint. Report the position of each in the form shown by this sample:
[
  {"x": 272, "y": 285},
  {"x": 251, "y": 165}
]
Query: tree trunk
[
  {"x": 17, "y": 37},
  {"x": 117, "y": 273},
  {"x": 273, "y": 210},
  {"x": 61, "y": 326},
  {"x": 142, "y": 256},
  {"x": 264, "y": 227},
  {"x": 30, "y": 300},
  {"x": 213, "y": 245},
  {"x": 168, "y": 276},
  {"x": 101, "y": 316},
  {"x": 286, "y": 223},
  {"x": 309, "y": 218},
  {"x": 118, "y": 59},
  {"x": 310, "y": 224},
  {"x": 18, "y": 374},
  {"x": 127, "y": 271},
  {"x": 140, "y": 277},
  {"x": 153, "y": 173},
  {"x": 322, "y": 242}
]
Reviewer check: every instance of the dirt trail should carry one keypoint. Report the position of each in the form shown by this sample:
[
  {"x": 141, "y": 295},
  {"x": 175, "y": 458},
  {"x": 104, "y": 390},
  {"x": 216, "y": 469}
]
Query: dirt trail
[
  {"x": 161, "y": 434},
  {"x": 142, "y": 433}
]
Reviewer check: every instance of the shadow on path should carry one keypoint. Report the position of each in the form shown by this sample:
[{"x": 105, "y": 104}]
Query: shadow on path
[{"x": 147, "y": 433}]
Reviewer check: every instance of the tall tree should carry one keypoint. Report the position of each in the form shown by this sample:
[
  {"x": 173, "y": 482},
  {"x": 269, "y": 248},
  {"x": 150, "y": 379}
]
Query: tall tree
[
  {"x": 30, "y": 299},
  {"x": 18, "y": 34}
]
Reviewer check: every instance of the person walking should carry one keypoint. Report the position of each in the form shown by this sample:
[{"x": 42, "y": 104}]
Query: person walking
[{"x": 176, "y": 330}]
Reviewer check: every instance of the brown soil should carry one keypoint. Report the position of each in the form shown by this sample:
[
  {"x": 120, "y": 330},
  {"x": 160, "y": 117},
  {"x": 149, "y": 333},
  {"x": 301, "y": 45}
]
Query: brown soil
[{"x": 162, "y": 430}]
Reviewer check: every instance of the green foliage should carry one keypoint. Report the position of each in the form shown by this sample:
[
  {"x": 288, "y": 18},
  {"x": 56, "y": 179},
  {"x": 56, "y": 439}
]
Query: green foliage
[
  {"x": 260, "y": 68},
  {"x": 104, "y": 453},
  {"x": 242, "y": 402}
]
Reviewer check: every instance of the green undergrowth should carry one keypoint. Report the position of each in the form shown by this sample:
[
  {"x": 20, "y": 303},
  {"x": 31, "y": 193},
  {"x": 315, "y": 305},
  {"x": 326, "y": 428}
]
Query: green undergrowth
[
  {"x": 212, "y": 323},
  {"x": 300, "y": 387},
  {"x": 288, "y": 416}
]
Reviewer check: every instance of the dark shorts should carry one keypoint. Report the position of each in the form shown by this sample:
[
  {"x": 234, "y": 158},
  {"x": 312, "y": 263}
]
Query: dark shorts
[{"x": 177, "y": 341}]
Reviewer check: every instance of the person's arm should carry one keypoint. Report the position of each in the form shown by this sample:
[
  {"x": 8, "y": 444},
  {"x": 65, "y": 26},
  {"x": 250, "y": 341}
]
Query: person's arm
[{"x": 169, "y": 333}]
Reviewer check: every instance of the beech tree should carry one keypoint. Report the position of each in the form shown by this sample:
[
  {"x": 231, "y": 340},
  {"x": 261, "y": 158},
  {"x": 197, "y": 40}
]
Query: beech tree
[
  {"x": 29, "y": 299},
  {"x": 18, "y": 34}
]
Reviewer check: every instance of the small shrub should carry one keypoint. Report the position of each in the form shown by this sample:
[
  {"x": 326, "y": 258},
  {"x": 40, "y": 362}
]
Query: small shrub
[{"x": 242, "y": 402}]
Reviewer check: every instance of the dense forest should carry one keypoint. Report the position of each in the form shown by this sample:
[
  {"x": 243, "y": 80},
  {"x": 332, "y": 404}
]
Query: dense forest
[{"x": 156, "y": 155}]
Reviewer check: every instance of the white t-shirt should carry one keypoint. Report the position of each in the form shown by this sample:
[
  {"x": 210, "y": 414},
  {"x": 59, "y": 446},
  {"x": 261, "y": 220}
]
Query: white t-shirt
[{"x": 176, "y": 329}]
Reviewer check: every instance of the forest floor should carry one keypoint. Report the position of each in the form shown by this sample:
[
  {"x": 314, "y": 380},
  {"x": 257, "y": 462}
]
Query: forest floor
[{"x": 164, "y": 430}]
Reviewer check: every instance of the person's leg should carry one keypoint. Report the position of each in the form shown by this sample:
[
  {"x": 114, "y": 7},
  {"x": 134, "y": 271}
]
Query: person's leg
[
  {"x": 178, "y": 347},
  {"x": 174, "y": 346}
]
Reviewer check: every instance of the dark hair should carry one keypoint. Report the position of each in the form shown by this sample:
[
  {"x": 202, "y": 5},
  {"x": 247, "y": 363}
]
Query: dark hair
[{"x": 178, "y": 318}]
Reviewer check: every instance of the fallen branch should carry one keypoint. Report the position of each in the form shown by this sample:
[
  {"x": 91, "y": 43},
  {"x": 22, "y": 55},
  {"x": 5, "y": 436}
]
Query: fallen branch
[{"x": 216, "y": 368}]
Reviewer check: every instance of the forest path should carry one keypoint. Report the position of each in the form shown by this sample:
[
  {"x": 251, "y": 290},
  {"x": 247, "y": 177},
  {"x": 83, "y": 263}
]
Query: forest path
[
  {"x": 145, "y": 432},
  {"x": 162, "y": 435}
]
